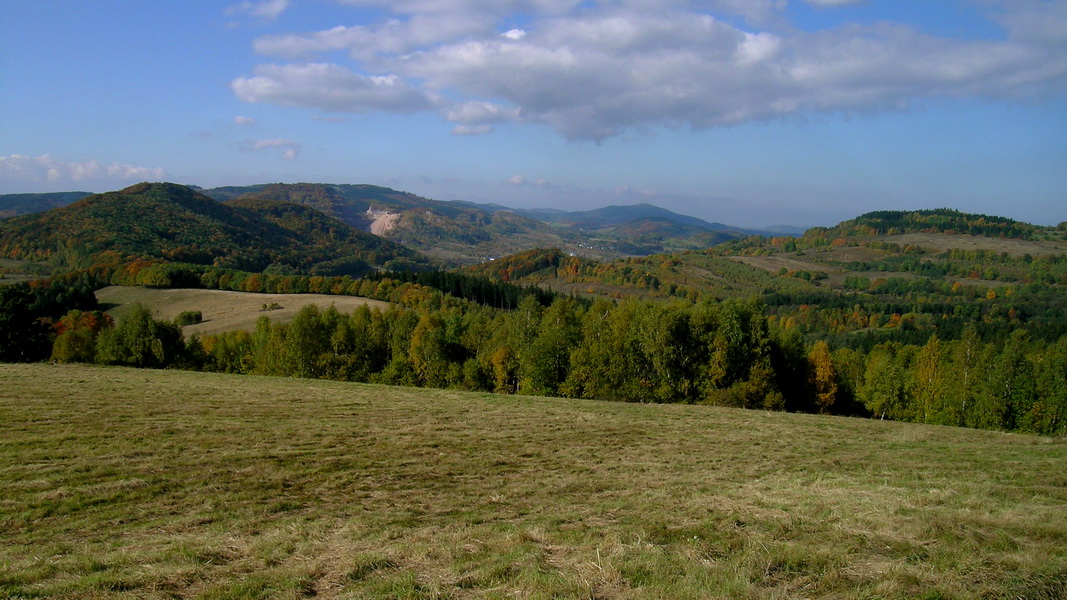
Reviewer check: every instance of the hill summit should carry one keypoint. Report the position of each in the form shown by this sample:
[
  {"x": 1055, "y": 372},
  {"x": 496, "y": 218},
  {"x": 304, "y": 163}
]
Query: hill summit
[{"x": 173, "y": 222}]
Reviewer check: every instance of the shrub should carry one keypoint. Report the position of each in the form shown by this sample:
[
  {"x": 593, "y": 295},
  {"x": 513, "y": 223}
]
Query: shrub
[{"x": 189, "y": 317}]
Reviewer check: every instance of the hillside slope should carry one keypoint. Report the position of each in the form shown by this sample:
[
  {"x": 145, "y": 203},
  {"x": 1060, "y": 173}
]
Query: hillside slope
[
  {"x": 172, "y": 222},
  {"x": 849, "y": 285},
  {"x": 126, "y": 483},
  {"x": 459, "y": 232}
]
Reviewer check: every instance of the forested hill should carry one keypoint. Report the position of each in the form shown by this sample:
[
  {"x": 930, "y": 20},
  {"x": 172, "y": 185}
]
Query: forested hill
[
  {"x": 941, "y": 220},
  {"x": 172, "y": 222},
  {"x": 463, "y": 233},
  {"x": 455, "y": 232}
]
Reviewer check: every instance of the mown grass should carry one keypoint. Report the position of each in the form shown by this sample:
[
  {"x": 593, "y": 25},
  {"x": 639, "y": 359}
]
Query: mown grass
[
  {"x": 222, "y": 310},
  {"x": 122, "y": 483}
]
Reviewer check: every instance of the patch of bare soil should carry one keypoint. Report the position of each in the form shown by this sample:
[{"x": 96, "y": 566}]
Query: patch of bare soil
[{"x": 383, "y": 222}]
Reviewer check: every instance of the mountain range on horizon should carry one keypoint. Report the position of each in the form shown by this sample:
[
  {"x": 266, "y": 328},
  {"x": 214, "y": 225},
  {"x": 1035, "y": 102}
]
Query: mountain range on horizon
[
  {"x": 288, "y": 227},
  {"x": 462, "y": 232},
  {"x": 25, "y": 203}
]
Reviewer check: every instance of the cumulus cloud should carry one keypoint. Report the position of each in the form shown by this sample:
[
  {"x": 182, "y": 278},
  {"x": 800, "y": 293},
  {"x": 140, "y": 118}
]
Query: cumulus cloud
[
  {"x": 244, "y": 121},
  {"x": 592, "y": 70},
  {"x": 1034, "y": 21},
  {"x": 290, "y": 149},
  {"x": 45, "y": 169},
  {"x": 329, "y": 87},
  {"x": 264, "y": 9}
]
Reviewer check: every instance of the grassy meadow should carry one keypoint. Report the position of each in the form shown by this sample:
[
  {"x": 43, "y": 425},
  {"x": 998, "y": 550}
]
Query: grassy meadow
[
  {"x": 121, "y": 483},
  {"x": 222, "y": 310}
]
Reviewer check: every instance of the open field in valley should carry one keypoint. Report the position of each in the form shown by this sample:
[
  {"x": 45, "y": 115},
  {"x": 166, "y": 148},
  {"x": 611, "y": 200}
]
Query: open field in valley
[
  {"x": 122, "y": 483},
  {"x": 222, "y": 310}
]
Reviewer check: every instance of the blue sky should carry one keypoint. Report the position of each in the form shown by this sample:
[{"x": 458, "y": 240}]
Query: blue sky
[{"x": 747, "y": 112}]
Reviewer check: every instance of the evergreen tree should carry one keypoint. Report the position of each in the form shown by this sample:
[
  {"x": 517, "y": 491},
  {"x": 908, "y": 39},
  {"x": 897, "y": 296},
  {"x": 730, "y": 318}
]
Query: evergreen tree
[{"x": 23, "y": 336}]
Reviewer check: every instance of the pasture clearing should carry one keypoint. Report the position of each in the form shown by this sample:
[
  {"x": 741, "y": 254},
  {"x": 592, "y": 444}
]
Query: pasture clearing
[
  {"x": 934, "y": 243},
  {"x": 223, "y": 310},
  {"x": 121, "y": 483}
]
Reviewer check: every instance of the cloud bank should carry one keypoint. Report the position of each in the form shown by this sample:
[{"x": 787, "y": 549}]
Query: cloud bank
[
  {"x": 593, "y": 70},
  {"x": 45, "y": 169}
]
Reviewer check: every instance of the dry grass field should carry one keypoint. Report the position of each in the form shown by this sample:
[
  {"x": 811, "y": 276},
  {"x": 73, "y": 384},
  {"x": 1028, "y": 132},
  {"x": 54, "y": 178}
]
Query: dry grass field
[
  {"x": 934, "y": 243},
  {"x": 120, "y": 483},
  {"x": 222, "y": 310}
]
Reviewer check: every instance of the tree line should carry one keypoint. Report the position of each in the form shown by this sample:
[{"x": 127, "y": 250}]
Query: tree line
[
  {"x": 722, "y": 353},
  {"x": 740, "y": 353}
]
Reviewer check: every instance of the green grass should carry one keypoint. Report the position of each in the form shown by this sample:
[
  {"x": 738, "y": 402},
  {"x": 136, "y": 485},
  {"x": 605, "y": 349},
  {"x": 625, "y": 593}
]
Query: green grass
[{"x": 119, "y": 483}]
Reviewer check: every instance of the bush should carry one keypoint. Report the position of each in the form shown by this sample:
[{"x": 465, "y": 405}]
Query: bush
[{"x": 189, "y": 317}]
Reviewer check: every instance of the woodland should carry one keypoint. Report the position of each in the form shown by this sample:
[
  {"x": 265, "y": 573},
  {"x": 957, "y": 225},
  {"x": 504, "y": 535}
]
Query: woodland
[{"x": 872, "y": 325}]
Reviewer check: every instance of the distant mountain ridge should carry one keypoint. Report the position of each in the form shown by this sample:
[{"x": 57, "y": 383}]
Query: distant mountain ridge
[
  {"x": 13, "y": 205},
  {"x": 452, "y": 232},
  {"x": 613, "y": 215},
  {"x": 173, "y": 222},
  {"x": 460, "y": 232},
  {"x": 456, "y": 232}
]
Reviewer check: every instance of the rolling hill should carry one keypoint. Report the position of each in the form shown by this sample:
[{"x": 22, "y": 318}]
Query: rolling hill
[
  {"x": 172, "y": 222},
  {"x": 451, "y": 232},
  {"x": 457, "y": 232}
]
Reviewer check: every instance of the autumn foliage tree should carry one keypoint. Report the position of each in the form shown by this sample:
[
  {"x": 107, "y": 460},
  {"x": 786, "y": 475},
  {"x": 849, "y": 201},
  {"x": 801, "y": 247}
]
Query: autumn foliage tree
[{"x": 823, "y": 377}]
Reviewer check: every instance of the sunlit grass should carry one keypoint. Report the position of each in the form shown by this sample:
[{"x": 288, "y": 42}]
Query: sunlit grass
[{"x": 162, "y": 484}]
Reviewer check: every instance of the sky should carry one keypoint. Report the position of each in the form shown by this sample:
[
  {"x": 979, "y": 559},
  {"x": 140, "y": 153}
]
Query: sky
[{"x": 747, "y": 112}]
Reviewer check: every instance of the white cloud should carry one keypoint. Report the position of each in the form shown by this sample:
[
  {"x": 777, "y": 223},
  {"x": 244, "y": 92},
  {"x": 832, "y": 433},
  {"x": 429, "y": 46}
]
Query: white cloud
[
  {"x": 480, "y": 112},
  {"x": 592, "y": 70},
  {"x": 45, "y": 169},
  {"x": 290, "y": 149},
  {"x": 517, "y": 180},
  {"x": 473, "y": 129},
  {"x": 244, "y": 121},
  {"x": 329, "y": 87},
  {"x": 264, "y": 9},
  {"x": 1034, "y": 21}
]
